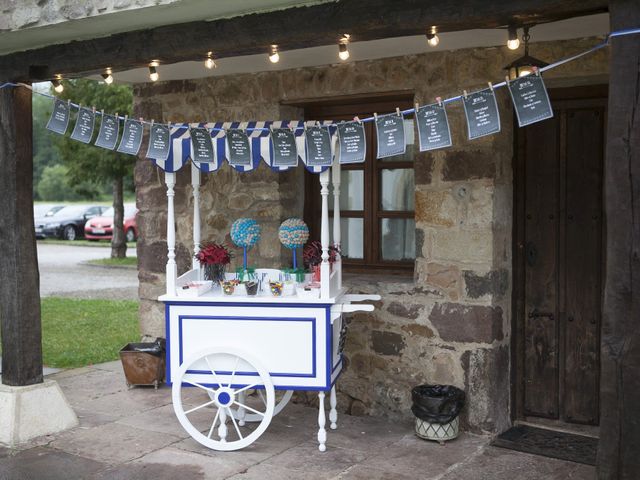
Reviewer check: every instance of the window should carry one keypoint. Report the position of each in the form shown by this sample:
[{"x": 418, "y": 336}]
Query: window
[{"x": 376, "y": 197}]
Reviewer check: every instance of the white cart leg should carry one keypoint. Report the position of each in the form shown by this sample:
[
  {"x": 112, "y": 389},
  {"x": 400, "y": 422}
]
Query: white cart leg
[
  {"x": 322, "y": 433},
  {"x": 241, "y": 411},
  {"x": 333, "y": 413},
  {"x": 222, "y": 429}
]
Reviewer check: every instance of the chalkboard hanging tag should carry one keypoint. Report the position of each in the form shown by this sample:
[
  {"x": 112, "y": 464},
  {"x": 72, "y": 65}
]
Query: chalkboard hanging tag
[
  {"x": 439, "y": 100},
  {"x": 536, "y": 70},
  {"x": 102, "y": 113},
  {"x": 464, "y": 94},
  {"x": 506, "y": 79},
  {"x": 416, "y": 107},
  {"x": 94, "y": 110},
  {"x": 398, "y": 111},
  {"x": 375, "y": 116},
  {"x": 152, "y": 122},
  {"x": 357, "y": 119},
  {"x": 125, "y": 118},
  {"x": 490, "y": 86}
]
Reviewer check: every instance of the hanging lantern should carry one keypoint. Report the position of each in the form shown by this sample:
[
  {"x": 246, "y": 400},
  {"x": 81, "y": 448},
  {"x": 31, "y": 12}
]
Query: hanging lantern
[{"x": 526, "y": 64}]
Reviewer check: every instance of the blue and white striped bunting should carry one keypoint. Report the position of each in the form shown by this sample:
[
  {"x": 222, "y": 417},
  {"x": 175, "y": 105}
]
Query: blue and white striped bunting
[{"x": 259, "y": 134}]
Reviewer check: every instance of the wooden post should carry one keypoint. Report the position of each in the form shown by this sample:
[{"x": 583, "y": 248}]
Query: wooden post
[
  {"x": 620, "y": 338},
  {"x": 172, "y": 269},
  {"x": 325, "y": 270},
  {"x": 195, "y": 184},
  {"x": 20, "y": 285}
]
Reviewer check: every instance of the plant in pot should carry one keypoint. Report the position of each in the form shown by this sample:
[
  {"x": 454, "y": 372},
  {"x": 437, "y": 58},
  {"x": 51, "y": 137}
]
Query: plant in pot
[
  {"x": 312, "y": 257},
  {"x": 214, "y": 258}
]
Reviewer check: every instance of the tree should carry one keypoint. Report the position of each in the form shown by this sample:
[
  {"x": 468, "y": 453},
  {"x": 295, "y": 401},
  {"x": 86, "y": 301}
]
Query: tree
[
  {"x": 44, "y": 151},
  {"x": 88, "y": 162}
]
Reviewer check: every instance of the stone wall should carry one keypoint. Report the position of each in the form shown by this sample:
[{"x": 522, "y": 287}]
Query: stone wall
[
  {"x": 19, "y": 14},
  {"x": 451, "y": 322}
]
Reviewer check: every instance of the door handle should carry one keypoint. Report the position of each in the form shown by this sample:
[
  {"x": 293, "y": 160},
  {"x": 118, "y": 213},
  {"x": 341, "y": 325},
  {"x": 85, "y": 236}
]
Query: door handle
[{"x": 535, "y": 313}]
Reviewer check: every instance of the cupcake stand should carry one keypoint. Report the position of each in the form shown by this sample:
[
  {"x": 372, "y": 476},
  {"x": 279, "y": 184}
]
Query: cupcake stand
[{"x": 234, "y": 361}]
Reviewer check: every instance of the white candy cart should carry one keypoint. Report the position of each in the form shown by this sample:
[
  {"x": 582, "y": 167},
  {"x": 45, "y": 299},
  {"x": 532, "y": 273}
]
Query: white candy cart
[{"x": 234, "y": 361}]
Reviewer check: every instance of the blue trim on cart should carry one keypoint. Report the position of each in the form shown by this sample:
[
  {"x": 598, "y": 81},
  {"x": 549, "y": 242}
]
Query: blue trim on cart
[{"x": 312, "y": 320}]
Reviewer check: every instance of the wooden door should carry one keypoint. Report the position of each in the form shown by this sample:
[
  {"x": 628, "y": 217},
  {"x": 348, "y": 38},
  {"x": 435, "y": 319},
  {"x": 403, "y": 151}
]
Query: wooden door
[{"x": 559, "y": 260}]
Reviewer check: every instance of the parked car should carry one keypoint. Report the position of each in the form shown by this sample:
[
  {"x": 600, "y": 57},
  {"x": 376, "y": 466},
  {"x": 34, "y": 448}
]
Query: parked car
[
  {"x": 101, "y": 228},
  {"x": 44, "y": 210},
  {"x": 68, "y": 222}
]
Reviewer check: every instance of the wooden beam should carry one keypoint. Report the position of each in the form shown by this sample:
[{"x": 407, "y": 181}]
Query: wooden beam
[
  {"x": 620, "y": 342},
  {"x": 298, "y": 27},
  {"x": 20, "y": 284}
]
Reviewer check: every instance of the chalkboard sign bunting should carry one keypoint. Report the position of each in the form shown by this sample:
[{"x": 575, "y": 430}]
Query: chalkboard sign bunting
[
  {"x": 83, "y": 130},
  {"x": 283, "y": 144},
  {"x": 433, "y": 126},
  {"x": 352, "y": 144},
  {"x": 391, "y": 134},
  {"x": 202, "y": 150},
  {"x": 530, "y": 99},
  {"x": 318, "y": 146},
  {"x": 59, "y": 120},
  {"x": 108, "y": 133},
  {"x": 159, "y": 141},
  {"x": 238, "y": 147},
  {"x": 131, "y": 136},
  {"x": 481, "y": 112}
]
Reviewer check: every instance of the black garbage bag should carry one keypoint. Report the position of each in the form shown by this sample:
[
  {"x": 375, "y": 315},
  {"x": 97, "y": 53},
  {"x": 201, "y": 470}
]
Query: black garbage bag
[
  {"x": 437, "y": 403},
  {"x": 156, "y": 348}
]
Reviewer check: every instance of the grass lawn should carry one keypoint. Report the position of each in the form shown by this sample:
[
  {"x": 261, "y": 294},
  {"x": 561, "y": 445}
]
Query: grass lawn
[
  {"x": 116, "y": 262},
  {"x": 78, "y": 332},
  {"x": 81, "y": 243}
]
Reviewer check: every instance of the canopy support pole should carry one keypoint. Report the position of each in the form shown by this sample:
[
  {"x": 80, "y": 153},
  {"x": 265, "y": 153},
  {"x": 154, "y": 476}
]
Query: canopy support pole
[
  {"x": 195, "y": 184},
  {"x": 172, "y": 269},
  {"x": 325, "y": 269},
  {"x": 336, "y": 180}
]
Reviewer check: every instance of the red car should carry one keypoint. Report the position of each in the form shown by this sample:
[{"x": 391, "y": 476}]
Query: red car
[{"x": 101, "y": 228}]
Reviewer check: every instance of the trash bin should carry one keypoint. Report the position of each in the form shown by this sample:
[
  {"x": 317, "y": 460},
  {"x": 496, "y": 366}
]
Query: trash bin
[
  {"x": 436, "y": 408},
  {"x": 143, "y": 363}
]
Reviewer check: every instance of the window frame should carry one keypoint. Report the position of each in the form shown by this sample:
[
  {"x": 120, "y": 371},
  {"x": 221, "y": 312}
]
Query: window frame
[{"x": 372, "y": 213}]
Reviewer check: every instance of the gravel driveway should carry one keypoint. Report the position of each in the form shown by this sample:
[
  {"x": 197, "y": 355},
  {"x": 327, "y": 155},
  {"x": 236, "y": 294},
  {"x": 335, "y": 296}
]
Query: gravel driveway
[{"x": 63, "y": 273}]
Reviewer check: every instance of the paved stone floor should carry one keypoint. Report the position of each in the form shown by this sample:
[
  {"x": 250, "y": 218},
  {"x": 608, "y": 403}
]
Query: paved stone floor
[{"x": 133, "y": 434}]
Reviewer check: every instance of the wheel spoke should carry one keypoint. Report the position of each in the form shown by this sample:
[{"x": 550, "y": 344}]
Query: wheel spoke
[
  {"x": 195, "y": 384},
  {"x": 264, "y": 400},
  {"x": 233, "y": 374},
  {"x": 215, "y": 419},
  {"x": 199, "y": 407},
  {"x": 240, "y": 390},
  {"x": 213, "y": 372},
  {"x": 235, "y": 424},
  {"x": 248, "y": 408}
]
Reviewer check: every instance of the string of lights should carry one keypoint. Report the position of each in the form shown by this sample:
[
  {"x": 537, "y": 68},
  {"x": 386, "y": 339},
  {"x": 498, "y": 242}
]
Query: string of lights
[{"x": 274, "y": 57}]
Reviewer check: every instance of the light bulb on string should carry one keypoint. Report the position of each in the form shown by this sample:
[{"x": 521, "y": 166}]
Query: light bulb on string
[
  {"x": 57, "y": 84},
  {"x": 432, "y": 38},
  {"x": 153, "y": 74},
  {"x": 513, "y": 42},
  {"x": 108, "y": 76},
  {"x": 210, "y": 62},
  {"x": 274, "y": 56},
  {"x": 343, "y": 49}
]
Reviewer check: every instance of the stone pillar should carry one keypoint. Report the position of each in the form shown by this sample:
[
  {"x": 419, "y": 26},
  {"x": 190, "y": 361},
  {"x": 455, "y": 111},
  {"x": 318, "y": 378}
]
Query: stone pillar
[
  {"x": 620, "y": 345},
  {"x": 20, "y": 285}
]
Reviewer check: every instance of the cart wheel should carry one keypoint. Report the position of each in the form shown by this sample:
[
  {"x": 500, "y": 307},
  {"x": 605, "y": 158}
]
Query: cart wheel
[
  {"x": 282, "y": 397},
  {"x": 212, "y": 404}
]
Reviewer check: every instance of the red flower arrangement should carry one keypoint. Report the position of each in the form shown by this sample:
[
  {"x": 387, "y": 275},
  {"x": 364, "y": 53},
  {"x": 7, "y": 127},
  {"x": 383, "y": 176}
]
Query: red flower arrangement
[
  {"x": 214, "y": 254},
  {"x": 312, "y": 254}
]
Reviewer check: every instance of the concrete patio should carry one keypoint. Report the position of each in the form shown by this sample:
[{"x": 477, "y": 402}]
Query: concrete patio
[{"x": 133, "y": 434}]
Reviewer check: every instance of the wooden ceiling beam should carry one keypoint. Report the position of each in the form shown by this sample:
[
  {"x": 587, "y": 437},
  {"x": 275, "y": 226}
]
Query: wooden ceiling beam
[{"x": 294, "y": 28}]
